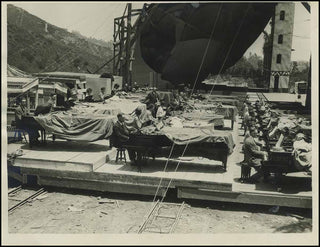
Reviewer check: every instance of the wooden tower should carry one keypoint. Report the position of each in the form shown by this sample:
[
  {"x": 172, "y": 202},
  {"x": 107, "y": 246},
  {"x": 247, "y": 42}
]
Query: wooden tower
[{"x": 282, "y": 30}]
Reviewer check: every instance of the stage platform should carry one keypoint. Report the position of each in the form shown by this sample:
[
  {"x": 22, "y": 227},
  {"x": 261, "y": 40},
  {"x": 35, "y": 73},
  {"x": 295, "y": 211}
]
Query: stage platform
[{"x": 92, "y": 166}]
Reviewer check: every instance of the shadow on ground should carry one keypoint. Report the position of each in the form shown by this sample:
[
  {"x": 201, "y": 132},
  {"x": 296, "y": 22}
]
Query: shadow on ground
[{"x": 299, "y": 227}]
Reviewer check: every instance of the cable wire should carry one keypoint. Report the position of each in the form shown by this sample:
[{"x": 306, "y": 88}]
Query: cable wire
[
  {"x": 239, "y": 28},
  {"x": 203, "y": 58}
]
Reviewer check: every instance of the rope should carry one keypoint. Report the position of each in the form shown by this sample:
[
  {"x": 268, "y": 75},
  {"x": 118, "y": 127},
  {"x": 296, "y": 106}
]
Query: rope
[
  {"x": 204, "y": 55},
  {"x": 209, "y": 95},
  {"x": 165, "y": 167},
  {"x": 234, "y": 39}
]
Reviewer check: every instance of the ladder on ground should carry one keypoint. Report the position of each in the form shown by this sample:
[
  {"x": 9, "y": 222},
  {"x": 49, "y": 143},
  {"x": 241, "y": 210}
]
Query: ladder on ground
[{"x": 158, "y": 222}]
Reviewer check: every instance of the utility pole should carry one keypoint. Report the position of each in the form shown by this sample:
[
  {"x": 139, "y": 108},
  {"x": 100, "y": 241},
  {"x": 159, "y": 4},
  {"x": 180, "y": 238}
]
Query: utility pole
[
  {"x": 121, "y": 67},
  {"x": 128, "y": 47},
  {"x": 124, "y": 41}
]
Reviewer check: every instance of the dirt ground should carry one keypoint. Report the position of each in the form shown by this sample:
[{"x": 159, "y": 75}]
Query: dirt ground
[{"x": 75, "y": 211}]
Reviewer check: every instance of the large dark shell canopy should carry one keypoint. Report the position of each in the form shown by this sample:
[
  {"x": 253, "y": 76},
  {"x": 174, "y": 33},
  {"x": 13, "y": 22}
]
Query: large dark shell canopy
[{"x": 175, "y": 37}]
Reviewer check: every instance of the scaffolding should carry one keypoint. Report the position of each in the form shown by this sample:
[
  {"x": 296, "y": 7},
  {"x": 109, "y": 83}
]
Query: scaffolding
[{"x": 124, "y": 39}]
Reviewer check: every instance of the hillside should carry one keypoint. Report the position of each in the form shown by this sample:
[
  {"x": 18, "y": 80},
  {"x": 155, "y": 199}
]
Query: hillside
[{"x": 33, "y": 47}]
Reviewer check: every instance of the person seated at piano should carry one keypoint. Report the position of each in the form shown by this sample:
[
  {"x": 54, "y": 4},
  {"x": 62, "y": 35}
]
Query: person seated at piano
[
  {"x": 102, "y": 94},
  {"x": 121, "y": 131},
  {"x": 121, "y": 136},
  {"x": 136, "y": 123},
  {"x": 289, "y": 129},
  {"x": 257, "y": 104},
  {"x": 266, "y": 117},
  {"x": 89, "y": 96},
  {"x": 46, "y": 107},
  {"x": 161, "y": 113},
  {"x": 135, "y": 86},
  {"x": 302, "y": 153},
  {"x": 152, "y": 108},
  {"x": 20, "y": 112},
  {"x": 143, "y": 118},
  {"x": 252, "y": 154},
  {"x": 68, "y": 104},
  {"x": 151, "y": 98},
  {"x": 283, "y": 137},
  {"x": 126, "y": 88}
]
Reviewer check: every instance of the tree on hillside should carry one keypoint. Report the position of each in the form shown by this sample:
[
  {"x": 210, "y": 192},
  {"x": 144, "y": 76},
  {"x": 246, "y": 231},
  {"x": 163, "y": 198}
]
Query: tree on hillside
[
  {"x": 298, "y": 74},
  {"x": 248, "y": 68}
]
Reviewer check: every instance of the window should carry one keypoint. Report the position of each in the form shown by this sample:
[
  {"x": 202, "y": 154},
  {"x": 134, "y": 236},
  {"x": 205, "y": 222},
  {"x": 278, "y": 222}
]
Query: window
[
  {"x": 282, "y": 14},
  {"x": 279, "y": 58},
  {"x": 280, "y": 39}
]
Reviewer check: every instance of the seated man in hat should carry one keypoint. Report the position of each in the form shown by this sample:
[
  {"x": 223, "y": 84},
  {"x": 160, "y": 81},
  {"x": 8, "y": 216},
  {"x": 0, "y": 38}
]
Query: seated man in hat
[
  {"x": 19, "y": 112},
  {"x": 121, "y": 137},
  {"x": 28, "y": 126},
  {"x": 121, "y": 131},
  {"x": 252, "y": 154}
]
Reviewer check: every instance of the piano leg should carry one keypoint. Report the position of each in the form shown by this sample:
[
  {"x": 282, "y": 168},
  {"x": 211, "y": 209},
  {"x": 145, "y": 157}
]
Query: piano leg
[{"x": 139, "y": 161}]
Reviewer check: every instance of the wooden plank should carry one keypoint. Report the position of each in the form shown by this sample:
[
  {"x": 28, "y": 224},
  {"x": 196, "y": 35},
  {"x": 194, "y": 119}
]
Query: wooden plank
[
  {"x": 72, "y": 157},
  {"x": 130, "y": 177},
  {"x": 244, "y": 197},
  {"x": 56, "y": 156},
  {"x": 73, "y": 161},
  {"x": 53, "y": 165},
  {"x": 30, "y": 155},
  {"x": 88, "y": 158},
  {"x": 100, "y": 186}
]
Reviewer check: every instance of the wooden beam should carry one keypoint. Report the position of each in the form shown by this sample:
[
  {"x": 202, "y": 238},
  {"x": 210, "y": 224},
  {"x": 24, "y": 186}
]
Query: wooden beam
[
  {"x": 28, "y": 103},
  {"x": 127, "y": 178},
  {"x": 36, "y": 97},
  {"x": 247, "y": 197},
  {"x": 100, "y": 186}
]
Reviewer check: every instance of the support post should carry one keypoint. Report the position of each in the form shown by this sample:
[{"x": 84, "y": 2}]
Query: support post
[
  {"x": 128, "y": 47},
  {"x": 36, "y": 100},
  {"x": 121, "y": 27},
  {"x": 28, "y": 103},
  {"x": 114, "y": 45}
]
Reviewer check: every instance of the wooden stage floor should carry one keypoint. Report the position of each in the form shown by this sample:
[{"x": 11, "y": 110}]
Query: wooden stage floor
[{"x": 92, "y": 166}]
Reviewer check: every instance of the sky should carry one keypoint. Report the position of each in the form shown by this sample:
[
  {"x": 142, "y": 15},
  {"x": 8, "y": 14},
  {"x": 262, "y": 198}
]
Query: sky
[{"x": 95, "y": 19}]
